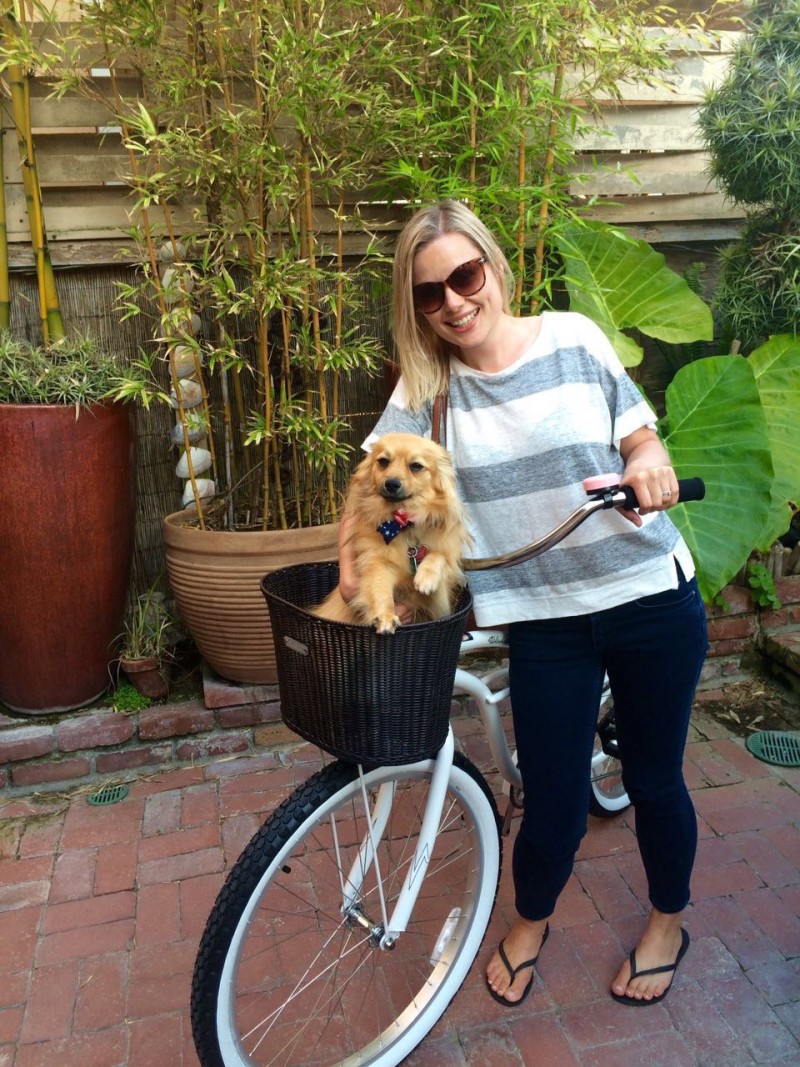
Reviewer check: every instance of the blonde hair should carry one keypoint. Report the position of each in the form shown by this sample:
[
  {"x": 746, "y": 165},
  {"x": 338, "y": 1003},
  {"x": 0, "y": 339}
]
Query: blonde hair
[{"x": 424, "y": 357}]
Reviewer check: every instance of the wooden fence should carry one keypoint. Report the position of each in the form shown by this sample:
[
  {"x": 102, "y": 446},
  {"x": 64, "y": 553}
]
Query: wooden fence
[
  {"x": 644, "y": 169},
  {"x": 647, "y": 166}
]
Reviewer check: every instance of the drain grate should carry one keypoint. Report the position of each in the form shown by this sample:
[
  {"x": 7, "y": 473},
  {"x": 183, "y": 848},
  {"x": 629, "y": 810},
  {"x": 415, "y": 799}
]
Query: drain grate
[
  {"x": 109, "y": 794},
  {"x": 781, "y": 747}
]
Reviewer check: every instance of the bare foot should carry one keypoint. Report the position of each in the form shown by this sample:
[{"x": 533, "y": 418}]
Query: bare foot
[
  {"x": 659, "y": 946},
  {"x": 523, "y": 942}
]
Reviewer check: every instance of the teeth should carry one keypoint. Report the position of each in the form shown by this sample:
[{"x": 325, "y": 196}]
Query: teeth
[{"x": 466, "y": 320}]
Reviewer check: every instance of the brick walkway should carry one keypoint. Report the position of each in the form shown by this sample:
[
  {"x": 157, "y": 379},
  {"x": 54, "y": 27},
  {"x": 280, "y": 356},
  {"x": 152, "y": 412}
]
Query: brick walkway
[{"x": 101, "y": 910}]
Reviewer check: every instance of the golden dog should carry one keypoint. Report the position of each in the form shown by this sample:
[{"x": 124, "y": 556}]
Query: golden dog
[{"x": 408, "y": 534}]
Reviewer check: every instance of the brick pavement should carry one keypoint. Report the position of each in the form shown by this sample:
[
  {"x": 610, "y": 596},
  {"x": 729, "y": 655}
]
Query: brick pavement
[{"x": 101, "y": 910}]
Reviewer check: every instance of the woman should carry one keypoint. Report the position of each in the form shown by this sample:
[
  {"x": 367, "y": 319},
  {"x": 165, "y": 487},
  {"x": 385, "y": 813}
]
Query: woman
[{"x": 536, "y": 404}]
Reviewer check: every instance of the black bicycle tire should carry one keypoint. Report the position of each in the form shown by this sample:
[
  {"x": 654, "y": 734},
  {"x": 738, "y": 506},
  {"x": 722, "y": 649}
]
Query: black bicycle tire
[{"x": 245, "y": 876}]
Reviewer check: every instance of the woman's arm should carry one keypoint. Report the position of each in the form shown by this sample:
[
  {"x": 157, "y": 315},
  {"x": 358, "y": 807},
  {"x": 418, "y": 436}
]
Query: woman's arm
[
  {"x": 348, "y": 576},
  {"x": 649, "y": 473}
]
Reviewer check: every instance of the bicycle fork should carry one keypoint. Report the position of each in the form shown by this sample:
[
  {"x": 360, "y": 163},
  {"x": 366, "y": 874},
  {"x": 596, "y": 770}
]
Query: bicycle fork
[{"x": 385, "y": 934}]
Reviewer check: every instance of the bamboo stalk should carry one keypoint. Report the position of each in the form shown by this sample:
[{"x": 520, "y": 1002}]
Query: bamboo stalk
[
  {"x": 335, "y": 399},
  {"x": 5, "y": 294},
  {"x": 473, "y": 127},
  {"x": 547, "y": 182},
  {"x": 19, "y": 84},
  {"x": 522, "y": 206},
  {"x": 156, "y": 280},
  {"x": 316, "y": 329},
  {"x": 198, "y": 52},
  {"x": 284, "y": 377},
  {"x": 259, "y": 255}
]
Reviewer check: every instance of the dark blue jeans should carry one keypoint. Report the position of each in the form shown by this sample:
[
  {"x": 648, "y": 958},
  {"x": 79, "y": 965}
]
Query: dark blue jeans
[{"x": 653, "y": 650}]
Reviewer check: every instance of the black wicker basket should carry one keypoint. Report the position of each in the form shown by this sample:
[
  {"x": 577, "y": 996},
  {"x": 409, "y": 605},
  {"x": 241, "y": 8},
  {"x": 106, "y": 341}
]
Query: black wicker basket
[{"x": 362, "y": 696}]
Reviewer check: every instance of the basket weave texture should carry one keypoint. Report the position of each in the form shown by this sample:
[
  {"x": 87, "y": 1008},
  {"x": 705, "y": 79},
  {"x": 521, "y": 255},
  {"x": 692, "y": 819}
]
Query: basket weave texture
[{"x": 364, "y": 697}]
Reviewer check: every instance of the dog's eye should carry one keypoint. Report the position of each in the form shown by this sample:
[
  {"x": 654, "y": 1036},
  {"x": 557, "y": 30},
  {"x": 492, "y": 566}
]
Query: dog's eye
[
  {"x": 383, "y": 462},
  {"x": 416, "y": 467}
]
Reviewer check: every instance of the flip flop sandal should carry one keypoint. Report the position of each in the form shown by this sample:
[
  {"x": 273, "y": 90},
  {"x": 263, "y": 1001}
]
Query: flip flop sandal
[
  {"x": 622, "y": 999},
  {"x": 514, "y": 971}
]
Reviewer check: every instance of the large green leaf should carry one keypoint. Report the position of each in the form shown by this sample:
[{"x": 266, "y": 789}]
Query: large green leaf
[
  {"x": 624, "y": 284},
  {"x": 776, "y": 366},
  {"x": 717, "y": 430}
]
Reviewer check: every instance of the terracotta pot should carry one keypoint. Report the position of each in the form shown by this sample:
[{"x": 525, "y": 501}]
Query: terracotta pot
[
  {"x": 147, "y": 676},
  {"x": 215, "y": 578},
  {"x": 66, "y": 541}
]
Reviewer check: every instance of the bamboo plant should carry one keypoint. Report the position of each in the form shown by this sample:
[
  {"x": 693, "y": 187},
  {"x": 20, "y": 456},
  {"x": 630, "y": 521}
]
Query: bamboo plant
[{"x": 269, "y": 135}]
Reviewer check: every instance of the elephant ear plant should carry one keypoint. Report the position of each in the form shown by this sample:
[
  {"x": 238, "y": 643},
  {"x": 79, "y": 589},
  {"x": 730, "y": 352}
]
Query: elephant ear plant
[
  {"x": 733, "y": 419},
  {"x": 729, "y": 419}
]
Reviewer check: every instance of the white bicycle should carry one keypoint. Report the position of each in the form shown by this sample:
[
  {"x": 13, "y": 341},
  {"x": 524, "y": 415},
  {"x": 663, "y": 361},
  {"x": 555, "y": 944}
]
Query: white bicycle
[{"x": 352, "y": 917}]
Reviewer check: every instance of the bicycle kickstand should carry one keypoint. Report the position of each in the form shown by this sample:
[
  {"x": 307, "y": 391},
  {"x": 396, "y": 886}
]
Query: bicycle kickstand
[{"x": 515, "y": 803}]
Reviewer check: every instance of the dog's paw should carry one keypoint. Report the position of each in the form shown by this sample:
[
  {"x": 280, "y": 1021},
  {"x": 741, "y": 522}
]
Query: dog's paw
[
  {"x": 386, "y": 624},
  {"x": 426, "y": 583}
]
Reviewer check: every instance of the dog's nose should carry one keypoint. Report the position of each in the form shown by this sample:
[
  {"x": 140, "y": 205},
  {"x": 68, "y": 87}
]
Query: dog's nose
[{"x": 393, "y": 487}]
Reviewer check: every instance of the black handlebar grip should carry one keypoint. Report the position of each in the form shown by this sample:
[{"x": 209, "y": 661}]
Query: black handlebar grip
[
  {"x": 688, "y": 489},
  {"x": 691, "y": 489}
]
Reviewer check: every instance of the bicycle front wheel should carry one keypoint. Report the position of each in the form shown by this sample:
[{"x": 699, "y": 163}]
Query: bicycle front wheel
[{"x": 290, "y": 970}]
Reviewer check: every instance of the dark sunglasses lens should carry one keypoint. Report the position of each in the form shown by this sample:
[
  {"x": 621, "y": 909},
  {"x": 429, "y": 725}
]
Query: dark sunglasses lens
[
  {"x": 468, "y": 279},
  {"x": 428, "y": 297},
  {"x": 465, "y": 280}
]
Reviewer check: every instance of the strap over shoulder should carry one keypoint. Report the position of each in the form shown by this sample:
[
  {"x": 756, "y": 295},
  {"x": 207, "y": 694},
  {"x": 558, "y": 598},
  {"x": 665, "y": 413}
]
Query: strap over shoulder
[{"x": 439, "y": 424}]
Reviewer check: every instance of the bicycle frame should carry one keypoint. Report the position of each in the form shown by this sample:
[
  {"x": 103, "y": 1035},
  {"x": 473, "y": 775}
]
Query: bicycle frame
[
  {"x": 488, "y": 701},
  {"x": 479, "y": 688}
]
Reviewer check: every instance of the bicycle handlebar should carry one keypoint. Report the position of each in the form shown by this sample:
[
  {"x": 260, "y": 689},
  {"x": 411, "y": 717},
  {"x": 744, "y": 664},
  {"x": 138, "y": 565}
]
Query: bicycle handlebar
[
  {"x": 610, "y": 496},
  {"x": 688, "y": 489}
]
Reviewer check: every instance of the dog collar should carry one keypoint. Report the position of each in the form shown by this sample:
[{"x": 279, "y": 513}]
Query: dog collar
[
  {"x": 400, "y": 520},
  {"x": 416, "y": 554}
]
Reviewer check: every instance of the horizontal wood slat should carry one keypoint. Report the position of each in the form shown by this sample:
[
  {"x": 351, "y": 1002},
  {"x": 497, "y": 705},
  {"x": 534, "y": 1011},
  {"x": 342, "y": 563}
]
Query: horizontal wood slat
[
  {"x": 655, "y": 209},
  {"x": 618, "y": 174},
  {"x": 668, "y": 128},
  {"x": 693, "y": 75},
  {"x": 646, "y": 168}
]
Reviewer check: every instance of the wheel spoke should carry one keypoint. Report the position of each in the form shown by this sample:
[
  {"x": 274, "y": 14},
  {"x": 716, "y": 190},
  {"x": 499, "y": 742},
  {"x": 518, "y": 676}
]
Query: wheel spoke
[{"x": 307, "y": 979}]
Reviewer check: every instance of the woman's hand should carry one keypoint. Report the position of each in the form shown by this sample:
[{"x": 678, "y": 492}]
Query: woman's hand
[
  {"x": 649, "y": 473},
  {"x": 348, "y": 575}
]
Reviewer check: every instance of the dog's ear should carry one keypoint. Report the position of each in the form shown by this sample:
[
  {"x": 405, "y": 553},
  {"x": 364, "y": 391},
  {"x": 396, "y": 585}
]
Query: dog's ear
[
  {"x": 444, "y": 482},
  {"x": 361, "y": 477}
]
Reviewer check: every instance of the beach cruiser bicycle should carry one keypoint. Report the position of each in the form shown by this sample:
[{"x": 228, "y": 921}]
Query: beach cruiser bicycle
[{"x": 352, "y": 917}]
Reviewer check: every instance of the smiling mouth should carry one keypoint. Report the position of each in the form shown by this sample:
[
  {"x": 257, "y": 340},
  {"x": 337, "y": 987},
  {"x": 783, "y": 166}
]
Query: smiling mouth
[{"x": 466, "y": 320}]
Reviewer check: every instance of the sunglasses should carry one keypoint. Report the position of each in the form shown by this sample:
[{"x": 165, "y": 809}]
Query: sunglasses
[{"x": 465, "y": 280}]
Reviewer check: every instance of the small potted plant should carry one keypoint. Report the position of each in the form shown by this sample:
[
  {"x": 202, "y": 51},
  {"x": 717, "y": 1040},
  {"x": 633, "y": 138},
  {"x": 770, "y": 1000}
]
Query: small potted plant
[{"x": 147, "y": 642}]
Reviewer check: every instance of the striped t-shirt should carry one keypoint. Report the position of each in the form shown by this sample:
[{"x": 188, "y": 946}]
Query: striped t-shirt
[{"x": 522, "y": 441}]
